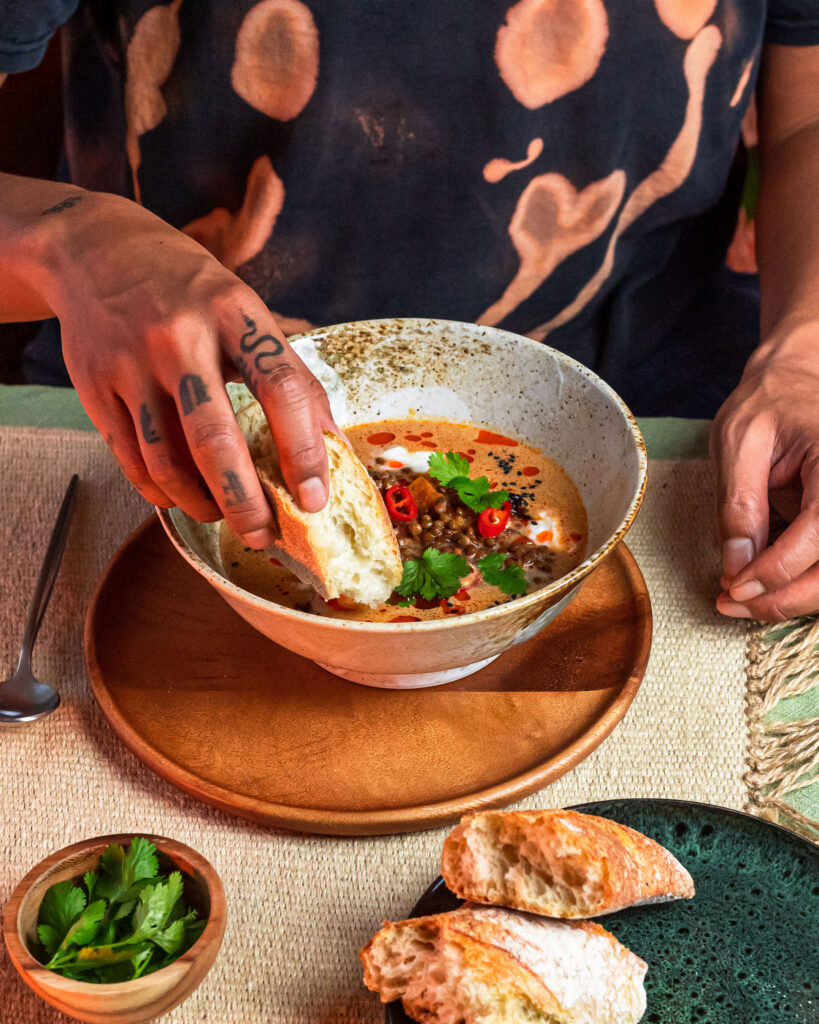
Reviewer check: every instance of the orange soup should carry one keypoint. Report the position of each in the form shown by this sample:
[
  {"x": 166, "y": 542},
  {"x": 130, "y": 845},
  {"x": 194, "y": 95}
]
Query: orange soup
[{"x": 536, "y": 535}]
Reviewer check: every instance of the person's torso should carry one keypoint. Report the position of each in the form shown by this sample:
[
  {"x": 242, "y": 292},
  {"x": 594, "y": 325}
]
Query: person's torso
[{"x": 532, "y": 165}]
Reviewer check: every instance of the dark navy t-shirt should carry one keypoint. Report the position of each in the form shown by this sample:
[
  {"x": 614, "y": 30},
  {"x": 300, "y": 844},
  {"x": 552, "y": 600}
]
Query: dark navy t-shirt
[{"x": 566, "y": 169}]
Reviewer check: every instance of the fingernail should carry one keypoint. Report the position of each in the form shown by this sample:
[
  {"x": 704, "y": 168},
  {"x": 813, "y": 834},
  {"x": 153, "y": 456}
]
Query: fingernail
[
  {"x": 736, "y": 554},
  {"x": 259, "y": 539},
  {"x": 747, "y": 591},
  {"x": 734, "y": 609},
  {"x": 312, "y": 494}
]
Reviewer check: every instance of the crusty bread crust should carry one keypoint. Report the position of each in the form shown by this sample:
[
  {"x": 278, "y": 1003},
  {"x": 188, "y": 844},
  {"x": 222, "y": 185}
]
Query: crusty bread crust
[
  {"x": 349, "y": 548},
  {"x": 296, "y": 545},
  {"x": 559, "y": 863},
  {"x": 481, "y": 964}
]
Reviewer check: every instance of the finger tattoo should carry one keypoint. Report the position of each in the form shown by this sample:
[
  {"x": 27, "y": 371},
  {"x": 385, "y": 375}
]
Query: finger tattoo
[
  {"x": 233, "y": 488},
  {"x": 193, "y": 392},
  {"x": 145, "y": 422},
  {"x": 66, "y": 204},
  {"x": 264, "y": 347}
]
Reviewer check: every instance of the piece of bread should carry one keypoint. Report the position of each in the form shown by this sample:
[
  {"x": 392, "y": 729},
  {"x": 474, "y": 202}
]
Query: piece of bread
[
  {"x": 559, "y": 863},
  {"x": 347, "y": 549},
  {"x": 482, "y": 965}
]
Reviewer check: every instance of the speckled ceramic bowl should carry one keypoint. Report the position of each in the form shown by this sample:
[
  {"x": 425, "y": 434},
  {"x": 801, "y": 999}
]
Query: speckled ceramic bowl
[{"x": 387, "y": 369}]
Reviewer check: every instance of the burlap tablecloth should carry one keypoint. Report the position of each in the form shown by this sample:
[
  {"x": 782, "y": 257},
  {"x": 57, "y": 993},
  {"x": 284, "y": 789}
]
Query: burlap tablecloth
[{"x": 299, "y": 907}]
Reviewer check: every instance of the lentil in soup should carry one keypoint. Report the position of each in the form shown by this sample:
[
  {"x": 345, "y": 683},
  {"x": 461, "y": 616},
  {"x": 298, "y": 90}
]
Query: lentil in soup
[{"x": 542, "y": 529}]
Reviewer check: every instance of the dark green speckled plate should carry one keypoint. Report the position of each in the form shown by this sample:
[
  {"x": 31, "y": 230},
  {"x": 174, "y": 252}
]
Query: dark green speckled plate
[{"x": 745, "y": 950}]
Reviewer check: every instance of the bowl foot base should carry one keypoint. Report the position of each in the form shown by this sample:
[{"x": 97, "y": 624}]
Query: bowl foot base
[{"x": 409, "y": 680}]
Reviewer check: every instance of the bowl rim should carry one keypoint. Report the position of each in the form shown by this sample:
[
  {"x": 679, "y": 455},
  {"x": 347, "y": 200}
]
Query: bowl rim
[
  {"x": 28, "y": 964},
  {"x": 556, "y": 587}
]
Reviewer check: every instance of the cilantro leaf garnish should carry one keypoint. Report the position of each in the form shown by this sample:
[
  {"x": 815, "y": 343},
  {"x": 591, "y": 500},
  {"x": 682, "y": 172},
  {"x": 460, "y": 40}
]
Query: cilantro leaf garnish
[
  {"x": 449, "y": 467},
  {"x": 154, "y": 908},
  {"x": 50, "y": 938},
  {"x": 435, "y": 574},
  {"x": 81, "y": 931},
  {"x": 511, "y": 579},
  {"x": 121, "y": 871},
  {"x": 452, "y": 470},
  {"x": 477, "y": 495},
  {"x": 62, "y": 905},
  {"x": 138, "y": 924}
]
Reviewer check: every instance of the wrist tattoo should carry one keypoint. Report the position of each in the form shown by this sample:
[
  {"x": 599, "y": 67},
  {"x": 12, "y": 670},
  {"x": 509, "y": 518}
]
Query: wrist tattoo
[
  {"x": 262, "y": 349},
  {"x": 145, "y": 422},
  {"x": 233, "y": 488},
  {"x": 192, "y": 392},
  {"x": 66, "y": 204}
]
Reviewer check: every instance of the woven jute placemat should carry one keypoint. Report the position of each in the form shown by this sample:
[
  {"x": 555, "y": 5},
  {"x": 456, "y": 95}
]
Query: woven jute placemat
[
  {"x": 300, "y": 907},
  {"x": 783, "y": 724}
]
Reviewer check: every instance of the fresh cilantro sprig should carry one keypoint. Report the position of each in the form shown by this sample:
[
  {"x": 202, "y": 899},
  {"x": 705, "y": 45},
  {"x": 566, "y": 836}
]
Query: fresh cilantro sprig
[
  {"x": 136, "y": 924},
  {"x": 477, "y": 495},
  {"x": 439, "y": 574},
  {"x": 451, "y": 469},
  {"x": 510, "y": 579},
  {"x": 435, "y": 574}
]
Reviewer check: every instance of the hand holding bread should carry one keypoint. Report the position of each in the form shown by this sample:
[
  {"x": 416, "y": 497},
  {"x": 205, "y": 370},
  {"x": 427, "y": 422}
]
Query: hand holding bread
[{"x": 348, "y": 548}]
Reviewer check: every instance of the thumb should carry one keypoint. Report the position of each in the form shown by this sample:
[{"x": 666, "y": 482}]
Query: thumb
[{"x": 743, "y": 455}]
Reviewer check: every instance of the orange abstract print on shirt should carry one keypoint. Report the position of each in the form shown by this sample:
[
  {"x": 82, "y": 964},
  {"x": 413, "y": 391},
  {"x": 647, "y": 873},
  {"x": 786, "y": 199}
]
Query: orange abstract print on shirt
[
  {"x": 522, "y": 163},
  {"x": 548, "y": 48}
]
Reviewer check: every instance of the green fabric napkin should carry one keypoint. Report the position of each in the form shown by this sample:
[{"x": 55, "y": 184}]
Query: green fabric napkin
[{"x": 27, "y": 405}]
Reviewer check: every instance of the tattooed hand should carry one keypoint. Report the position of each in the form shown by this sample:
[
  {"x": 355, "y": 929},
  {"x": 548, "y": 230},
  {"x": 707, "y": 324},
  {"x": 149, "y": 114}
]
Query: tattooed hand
[{"x": 152, "y": 327}]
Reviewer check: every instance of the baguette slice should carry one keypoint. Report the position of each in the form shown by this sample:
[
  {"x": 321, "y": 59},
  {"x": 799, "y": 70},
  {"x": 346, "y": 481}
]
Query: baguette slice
[
  {"x": 559, "y": 863},
  {"x": 481, "y": 965},
  {"x": 347, "y": 549}
]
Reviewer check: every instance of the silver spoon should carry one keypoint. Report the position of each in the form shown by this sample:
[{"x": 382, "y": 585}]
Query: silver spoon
[{"x": 23, "y": 698}]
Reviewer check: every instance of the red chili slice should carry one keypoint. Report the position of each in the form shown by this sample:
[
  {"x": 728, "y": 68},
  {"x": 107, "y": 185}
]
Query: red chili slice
[
  {"x": 400, "y": 503},
  {"x": 492, "y": 521}
]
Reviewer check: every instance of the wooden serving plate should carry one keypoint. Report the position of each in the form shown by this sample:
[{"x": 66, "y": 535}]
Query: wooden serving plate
[{"x": 231, "y": 718}]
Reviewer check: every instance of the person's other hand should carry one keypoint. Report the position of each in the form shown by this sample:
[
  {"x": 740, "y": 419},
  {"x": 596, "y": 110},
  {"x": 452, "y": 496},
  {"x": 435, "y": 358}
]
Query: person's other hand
[
  {"x": 152, "y": 326},
  {"x": 765, "y": 442}
]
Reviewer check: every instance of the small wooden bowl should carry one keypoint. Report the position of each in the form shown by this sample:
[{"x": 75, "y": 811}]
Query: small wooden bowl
[{"x": 126, "y": 1002}]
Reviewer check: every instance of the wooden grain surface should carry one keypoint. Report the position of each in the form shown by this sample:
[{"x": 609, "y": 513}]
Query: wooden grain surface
[{"x": 234, "y": 720}]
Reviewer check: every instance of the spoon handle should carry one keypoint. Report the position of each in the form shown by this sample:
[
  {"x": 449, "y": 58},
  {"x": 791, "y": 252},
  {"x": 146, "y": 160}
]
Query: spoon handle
[{"x": 48, "y": 572}]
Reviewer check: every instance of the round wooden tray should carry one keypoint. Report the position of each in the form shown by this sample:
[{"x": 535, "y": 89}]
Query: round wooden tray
[{"x": 229, "y": 717}]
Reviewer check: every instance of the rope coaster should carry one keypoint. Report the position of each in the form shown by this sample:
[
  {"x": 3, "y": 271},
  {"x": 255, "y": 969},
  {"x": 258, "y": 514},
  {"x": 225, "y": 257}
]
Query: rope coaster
[{"x": 782, "y": 708}]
